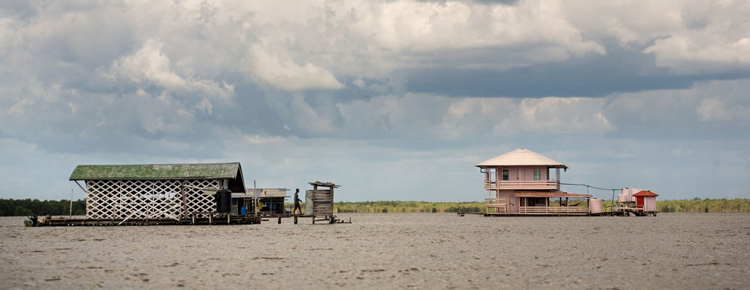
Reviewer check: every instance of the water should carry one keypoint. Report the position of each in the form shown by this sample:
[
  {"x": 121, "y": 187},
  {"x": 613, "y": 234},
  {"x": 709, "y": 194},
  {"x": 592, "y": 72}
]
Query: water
[{"x": 377, "y": 251}]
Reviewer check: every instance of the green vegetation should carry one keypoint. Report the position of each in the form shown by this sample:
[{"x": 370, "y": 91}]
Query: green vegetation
[
  {"x": 25, "y": 207},
  {"x": 22, "y": 207},
  {"x": 407, "y": 207},
  {"x": 705, "y": 205}
]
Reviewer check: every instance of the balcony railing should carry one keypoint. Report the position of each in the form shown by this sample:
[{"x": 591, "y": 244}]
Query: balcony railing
[{"x": 522, "y": 184}]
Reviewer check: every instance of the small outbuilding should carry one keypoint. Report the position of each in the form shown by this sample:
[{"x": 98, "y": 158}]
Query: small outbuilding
[
  {"x": 645, "y": 201},
  {"x": 319, "y": 200},
  {"x": 271, "y": 201}
]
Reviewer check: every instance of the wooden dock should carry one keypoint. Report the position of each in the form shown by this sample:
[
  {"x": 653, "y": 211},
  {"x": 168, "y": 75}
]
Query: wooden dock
[
  {"x": 313, "y": 218},
  {"x": 225, "y": 220}
]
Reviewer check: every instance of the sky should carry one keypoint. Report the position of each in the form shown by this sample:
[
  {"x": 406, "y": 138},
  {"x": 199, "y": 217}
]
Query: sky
[{"x": 394, "y": 100}]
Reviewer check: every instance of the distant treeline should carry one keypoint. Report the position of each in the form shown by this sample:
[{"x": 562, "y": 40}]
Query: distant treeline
[
  {"x": 22, "y": 207},
  {"x": 407, "y": 207},
  {"x": 27, "y": 207},
  {"x": 704, "y": 205}
]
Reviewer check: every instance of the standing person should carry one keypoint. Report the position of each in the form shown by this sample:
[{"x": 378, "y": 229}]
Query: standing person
[{"x": 296, "y": 202}]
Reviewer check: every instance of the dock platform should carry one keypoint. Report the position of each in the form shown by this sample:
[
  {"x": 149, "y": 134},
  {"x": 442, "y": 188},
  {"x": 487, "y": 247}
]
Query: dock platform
[{"x": 231, "y": 220}]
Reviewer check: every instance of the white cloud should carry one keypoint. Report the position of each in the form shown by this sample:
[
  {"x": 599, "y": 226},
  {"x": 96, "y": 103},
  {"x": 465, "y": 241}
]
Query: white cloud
[
  {"x": 688, "y": 37},
  {"x": 723, "y": 102},
  {"x": 456, "y": 118},
  {"x": 281, "y": 71},
  {"x": 702, "y": 53},
  {"x": 714, "y": 109},
  {"x": 149, "y": 65}
]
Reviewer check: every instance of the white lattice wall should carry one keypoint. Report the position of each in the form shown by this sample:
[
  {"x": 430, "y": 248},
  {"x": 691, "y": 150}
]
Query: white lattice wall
[{"x": 119, "y": 199}]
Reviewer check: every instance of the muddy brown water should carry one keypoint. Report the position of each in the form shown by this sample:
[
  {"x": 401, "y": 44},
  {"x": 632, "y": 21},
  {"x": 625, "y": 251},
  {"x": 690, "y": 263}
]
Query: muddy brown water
[{"x": 384, "y": 251}]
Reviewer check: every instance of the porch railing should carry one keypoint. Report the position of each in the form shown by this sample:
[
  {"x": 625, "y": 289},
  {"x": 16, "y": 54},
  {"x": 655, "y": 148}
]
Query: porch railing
[
  {"x": 496, "y": 205},
  {"x": 553, "y": 209}
]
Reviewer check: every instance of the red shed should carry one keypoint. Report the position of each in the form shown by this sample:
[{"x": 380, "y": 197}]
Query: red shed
[{"x": 645, "y": 201}]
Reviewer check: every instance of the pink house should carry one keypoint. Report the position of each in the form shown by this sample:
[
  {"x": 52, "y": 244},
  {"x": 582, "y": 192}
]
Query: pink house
[{"x": 519, "y": 182}]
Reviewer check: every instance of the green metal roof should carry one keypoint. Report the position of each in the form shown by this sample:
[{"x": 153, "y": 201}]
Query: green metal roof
[{"x": 157, "y": 171}]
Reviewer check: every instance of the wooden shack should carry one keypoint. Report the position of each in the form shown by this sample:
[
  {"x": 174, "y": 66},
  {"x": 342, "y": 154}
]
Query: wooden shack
[
  {"x": 155, "y": 191},
  {"x": 319, "y": 200},
  {"x": 271, "y": 201}
]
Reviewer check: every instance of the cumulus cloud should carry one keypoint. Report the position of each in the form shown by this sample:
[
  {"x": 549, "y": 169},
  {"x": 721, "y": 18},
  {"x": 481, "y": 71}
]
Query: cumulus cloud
[
  {"x": 714, "y": 109},
  {"x": 282, "y": 72},
  {"x": 450, "y": 118},
  {"x": 149, "y": 65},
  {"x": 701, "y": 53},
  {"x": 712, "y": 36},
  {"x": 689, "y": 37}
]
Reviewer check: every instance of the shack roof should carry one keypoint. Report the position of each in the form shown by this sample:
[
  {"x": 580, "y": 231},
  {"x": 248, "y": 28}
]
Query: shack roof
[
  {"x": 158, "y": 171},
  {"x": 645, "y": 193},
  {"x": 324, "y": 184},
  {"x": 266, "y": 192},
  {"x": 550, "y": 194},
  {"x": 521, "y": 157}
]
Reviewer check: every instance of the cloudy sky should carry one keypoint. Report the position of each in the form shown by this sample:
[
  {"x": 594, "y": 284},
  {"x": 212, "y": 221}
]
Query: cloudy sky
[{"x": 395, "y": 100}]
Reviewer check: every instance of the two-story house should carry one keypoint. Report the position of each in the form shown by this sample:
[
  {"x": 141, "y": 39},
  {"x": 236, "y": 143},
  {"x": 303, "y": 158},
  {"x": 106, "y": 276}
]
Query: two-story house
[{"x": 519, "y": 182}]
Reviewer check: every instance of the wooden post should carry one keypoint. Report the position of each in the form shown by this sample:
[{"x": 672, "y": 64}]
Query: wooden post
[
  {"x": 279, "y": 220},
  {"x": 71, "y": 204},
  {"x": 295, "y": 219},
  {"x": 313, "y": 218},
  {"x": 183, "y": 213}
]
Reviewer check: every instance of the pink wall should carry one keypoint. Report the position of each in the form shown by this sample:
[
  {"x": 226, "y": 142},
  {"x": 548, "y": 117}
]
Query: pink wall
[
  {"x": 512, "y": 200},
  {"x": 650, "y": 202},
  {"x": 521, "y": 173}
]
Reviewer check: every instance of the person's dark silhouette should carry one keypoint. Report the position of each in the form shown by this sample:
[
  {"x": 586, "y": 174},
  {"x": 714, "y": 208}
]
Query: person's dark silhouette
[{"x": 296, "y": 203}]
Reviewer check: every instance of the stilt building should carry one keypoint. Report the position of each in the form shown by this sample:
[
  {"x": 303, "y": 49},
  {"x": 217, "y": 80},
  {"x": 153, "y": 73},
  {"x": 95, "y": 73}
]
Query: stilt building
[{"x": 519, "y": 183}]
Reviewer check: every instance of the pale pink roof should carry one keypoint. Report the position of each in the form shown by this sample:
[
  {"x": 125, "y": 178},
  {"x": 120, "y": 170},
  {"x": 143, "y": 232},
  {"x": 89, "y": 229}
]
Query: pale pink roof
[{"x": 521, "y": 157}]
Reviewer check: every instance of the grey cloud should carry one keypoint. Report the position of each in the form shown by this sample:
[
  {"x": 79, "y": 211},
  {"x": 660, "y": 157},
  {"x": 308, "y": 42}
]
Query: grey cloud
[{"x": 620, "y": 70}]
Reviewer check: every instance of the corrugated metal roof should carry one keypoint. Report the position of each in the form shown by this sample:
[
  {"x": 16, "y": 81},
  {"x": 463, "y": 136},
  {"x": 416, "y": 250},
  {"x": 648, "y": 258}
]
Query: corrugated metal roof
[
  {"x": 521, "y": 157},
  {"x": 156, "y": 171}
]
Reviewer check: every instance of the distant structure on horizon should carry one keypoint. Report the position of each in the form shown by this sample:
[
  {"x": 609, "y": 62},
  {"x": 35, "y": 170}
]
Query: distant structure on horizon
[{"x": 519, "y": 183}]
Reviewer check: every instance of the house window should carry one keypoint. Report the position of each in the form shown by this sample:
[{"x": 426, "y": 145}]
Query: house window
[
  {"x": 537, "y": 174},
  {"x": 505, "y": 174}
]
